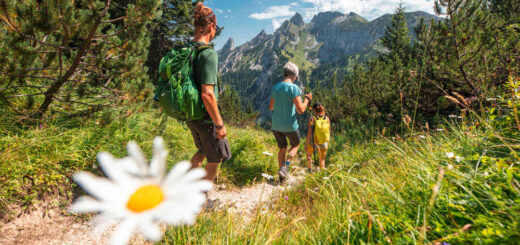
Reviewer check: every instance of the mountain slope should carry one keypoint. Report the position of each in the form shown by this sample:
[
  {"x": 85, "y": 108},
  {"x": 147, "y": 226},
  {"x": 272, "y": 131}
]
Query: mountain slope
[{"x": 328, "y": 40}]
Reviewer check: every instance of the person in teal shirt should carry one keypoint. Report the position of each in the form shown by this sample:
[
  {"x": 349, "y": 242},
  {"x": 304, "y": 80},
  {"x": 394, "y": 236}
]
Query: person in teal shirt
[{"x": 285, "y": 102}]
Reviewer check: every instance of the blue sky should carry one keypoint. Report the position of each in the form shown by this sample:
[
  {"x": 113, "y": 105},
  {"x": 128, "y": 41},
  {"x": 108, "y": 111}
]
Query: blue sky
[{"x": 243, "y": 20}]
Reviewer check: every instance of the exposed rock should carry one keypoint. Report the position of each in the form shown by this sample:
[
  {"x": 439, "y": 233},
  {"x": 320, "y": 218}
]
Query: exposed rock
[
  {"x": 297, "y": 19},
  {"x": 329, "y": 38}
]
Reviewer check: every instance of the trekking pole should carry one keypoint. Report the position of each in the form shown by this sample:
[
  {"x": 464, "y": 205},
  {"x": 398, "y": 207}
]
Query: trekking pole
[{"x": 314, "y": 145}]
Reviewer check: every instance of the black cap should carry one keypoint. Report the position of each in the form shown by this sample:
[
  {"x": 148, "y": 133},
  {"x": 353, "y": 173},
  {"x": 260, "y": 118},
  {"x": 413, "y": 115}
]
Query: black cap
[{"x": 316, "y": 105}]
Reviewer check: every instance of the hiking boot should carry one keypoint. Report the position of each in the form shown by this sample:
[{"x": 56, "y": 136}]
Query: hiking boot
[{"x": 282, "y": 173}]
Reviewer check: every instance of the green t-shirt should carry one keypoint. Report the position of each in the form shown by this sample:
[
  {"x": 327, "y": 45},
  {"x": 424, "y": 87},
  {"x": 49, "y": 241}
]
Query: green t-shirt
[{"x": 206, "y": 72}]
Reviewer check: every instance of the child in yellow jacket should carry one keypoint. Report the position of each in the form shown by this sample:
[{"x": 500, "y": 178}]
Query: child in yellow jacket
[{"x": 318, "y": 135}]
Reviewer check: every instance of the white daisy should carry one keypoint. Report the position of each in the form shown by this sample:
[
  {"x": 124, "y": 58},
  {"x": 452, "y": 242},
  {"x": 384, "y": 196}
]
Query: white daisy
[
  {"x": 459, "y": 159},
  {"x": 450, "y": 155},
  {"x": 138, "y": 195},
  {"x": 267, "y": 153},
  {"x": 267, "y": 176}
]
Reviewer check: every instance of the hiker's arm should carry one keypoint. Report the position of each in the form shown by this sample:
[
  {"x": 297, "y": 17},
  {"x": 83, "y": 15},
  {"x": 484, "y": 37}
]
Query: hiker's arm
[
  {"x": 301, "y": 106},
  {"x": 271, "y": 104},
  {"x": 210, "y": 102},
  {"x": 309, "y": 132}
]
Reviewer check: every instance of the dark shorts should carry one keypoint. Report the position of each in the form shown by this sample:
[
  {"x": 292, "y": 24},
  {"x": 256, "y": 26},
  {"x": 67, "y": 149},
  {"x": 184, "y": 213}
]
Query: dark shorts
[
  {"x": 205, "y": 137},
  {"x": 281, "y": 138}
]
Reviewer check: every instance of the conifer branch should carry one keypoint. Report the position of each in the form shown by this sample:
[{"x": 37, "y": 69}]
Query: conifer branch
[
  {"x": 113, "y": 20},
  {"x": 13, "y": 27},
  {"x": 50, "y": 94},
  {"x": 96, "y": 37}
]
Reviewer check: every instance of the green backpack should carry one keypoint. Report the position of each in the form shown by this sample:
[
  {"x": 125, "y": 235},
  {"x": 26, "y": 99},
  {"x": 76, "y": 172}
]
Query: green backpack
[{"x": 176, "y": 90}]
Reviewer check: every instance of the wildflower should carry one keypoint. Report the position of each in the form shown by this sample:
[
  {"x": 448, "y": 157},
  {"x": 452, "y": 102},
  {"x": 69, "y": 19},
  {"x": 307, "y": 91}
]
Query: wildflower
[
  {"x": 491, "y": 99},
  {"x": 452, "y": 116},
  {"x": 459, "y": 159},
  {"x": 264, "y": 209},
  {"x": 286, "y": 198},
  {"x": 138, "y": 195},
  {"x": 422, "y": 136},
  {"x": 450, "y": 167},
  {"x": 267, "y": 176},
  {"x": 439, "y": 129},
  {"x": 267, "y": 153},
  {"x": 450, "y": 155},
  {"x": 325, "y": 178}
]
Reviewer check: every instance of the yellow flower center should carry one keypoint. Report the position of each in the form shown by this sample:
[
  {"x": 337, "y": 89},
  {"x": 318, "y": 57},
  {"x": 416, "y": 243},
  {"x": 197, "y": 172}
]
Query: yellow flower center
[{"x": 145, "y": 198}]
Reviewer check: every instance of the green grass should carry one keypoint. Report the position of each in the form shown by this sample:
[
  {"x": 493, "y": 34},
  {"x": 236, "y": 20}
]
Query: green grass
[
  {"x": 382, "y": 191},
  {"x": 37, "y": 163},
  {"x": 377, "y": 190}
]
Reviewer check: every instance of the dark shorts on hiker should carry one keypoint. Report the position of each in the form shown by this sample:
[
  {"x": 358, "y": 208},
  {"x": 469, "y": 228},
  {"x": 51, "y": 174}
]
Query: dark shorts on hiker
[
  {"x": 281, "y": 138},
  {"x": 205, "y": 137}
]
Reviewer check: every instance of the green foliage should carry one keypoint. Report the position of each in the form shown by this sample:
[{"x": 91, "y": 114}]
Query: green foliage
[
  {"x": 37, "y": 163},
  {"x": 232, "y": 110},
  {"x": 73, "y": 57},
  {"x": 467, "y": 55},
  {"x": 399, "y": 191},
  {"x": 173, "y": 27}
]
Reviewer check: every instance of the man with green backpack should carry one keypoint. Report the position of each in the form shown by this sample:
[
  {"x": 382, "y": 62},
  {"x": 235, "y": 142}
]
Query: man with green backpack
[{"x": 188, "y": 91}]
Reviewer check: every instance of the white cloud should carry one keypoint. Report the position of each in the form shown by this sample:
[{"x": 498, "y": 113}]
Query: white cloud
[
  {"x": 274, "y": 12},
  {"x": 277, "y": 22},
  {"x": 219, "y": 11},
  {"x": 369, "y": 9}
]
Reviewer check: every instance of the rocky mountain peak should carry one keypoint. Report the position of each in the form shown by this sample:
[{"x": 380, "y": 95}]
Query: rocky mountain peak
[
  {"x": 297, "y": 19},
  {"x": 230, "y": 45},
  {"x": 325, "y": 17}
]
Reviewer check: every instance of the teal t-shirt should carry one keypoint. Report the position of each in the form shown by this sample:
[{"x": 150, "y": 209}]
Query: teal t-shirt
[{"x": 284, "y": 114}]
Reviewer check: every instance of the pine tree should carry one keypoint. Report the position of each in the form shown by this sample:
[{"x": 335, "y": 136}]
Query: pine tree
[
  {"x": 173, "y": 27},
  {"x": 73, "y": 57},
  {"x": 461, "y": 43},
  {"x": 397, "y": 38}
]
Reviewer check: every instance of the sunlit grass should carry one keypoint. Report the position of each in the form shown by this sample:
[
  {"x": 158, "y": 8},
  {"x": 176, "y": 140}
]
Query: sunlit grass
[{"x": 39, "y": 162}]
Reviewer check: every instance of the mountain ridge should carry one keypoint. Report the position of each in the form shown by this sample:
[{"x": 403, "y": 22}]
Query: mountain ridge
[{"x": 327, "y": 40}]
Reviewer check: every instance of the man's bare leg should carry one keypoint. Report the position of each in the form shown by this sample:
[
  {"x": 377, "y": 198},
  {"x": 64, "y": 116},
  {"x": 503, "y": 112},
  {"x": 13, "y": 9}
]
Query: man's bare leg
[
  {"x": 292, "y": 152},
  {"x": 281, "y": 157},
  {"x": 211, "y": 171},
  {"x": 197, "y": 159}
]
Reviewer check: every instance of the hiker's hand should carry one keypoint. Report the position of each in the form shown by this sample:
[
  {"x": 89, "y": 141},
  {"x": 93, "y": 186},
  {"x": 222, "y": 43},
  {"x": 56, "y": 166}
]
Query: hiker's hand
[
  {"x": 309, "y": 95},
  {"x": 222, "y": 133}
]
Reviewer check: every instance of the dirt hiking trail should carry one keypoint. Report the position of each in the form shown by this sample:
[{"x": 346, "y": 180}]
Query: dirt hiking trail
[{"x": 54, "y": 226}]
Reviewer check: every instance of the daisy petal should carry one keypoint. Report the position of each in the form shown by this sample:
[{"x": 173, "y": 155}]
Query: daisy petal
[
  {"x": 158, "y": 163},
  {"x": 86, "y": 204},
  {"x": 101, "y": 223},
  {"x": 112, "y": 167},
  {"x": 189, "y": 190},
  {"x": 171, "y": 213},
  {"x": 191, "y": 176},
  {"x": 177, "y": 171},
  {"x": 150, "y": 230},
  {"x": 124, "y": 232},
  {"x": 129, "y": 165},
  {"x": 98, "y": 187},
  {"x": 137, "y": 155}
]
